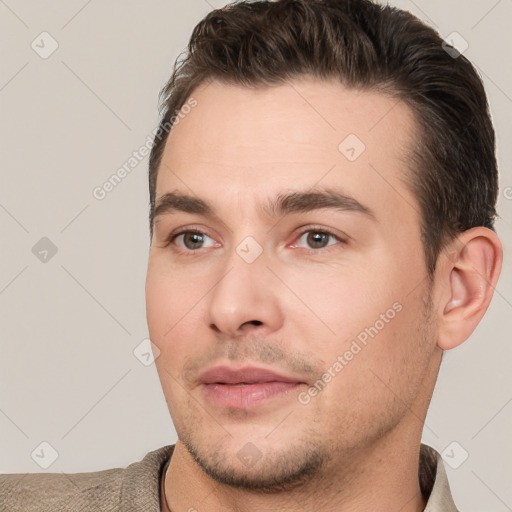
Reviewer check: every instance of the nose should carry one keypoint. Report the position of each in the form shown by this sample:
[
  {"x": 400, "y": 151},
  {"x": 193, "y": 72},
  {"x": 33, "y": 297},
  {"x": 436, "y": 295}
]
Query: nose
[{"x": 245, "y": 300}]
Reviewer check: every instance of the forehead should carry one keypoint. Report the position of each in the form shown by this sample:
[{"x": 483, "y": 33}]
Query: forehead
[{"x": 256, "y": 142}]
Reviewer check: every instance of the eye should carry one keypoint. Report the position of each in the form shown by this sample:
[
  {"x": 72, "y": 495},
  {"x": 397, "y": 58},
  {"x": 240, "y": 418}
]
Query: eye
[
  {"x": 192, "y": 240},
  {"x": 317, "y": 239}
]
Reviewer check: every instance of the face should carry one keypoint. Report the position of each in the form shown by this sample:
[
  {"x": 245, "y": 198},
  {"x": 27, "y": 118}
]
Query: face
[{"x": 286, "y": 286}]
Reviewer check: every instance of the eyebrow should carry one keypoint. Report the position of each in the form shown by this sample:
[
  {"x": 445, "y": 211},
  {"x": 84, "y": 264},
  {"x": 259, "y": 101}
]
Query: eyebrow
[{"x": 283, "y": 204}]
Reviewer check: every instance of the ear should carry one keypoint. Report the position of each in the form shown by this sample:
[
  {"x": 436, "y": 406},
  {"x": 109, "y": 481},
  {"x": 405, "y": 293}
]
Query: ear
[{"x": 468, "y": 270}]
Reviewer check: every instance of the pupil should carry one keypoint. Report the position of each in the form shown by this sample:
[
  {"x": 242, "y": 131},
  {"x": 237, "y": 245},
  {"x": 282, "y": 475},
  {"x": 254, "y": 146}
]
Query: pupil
[
  {"x": 317, "y": 239},
  {"x": 194, "y": 239}
]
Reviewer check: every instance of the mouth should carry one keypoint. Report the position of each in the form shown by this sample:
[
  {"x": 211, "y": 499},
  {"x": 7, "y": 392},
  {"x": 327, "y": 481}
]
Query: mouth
[{"x": 245, "y": 388}]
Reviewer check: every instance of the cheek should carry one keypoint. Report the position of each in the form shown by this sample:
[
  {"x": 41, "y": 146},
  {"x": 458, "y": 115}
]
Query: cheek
[
  {"x": 390, "y": 364},
  {"x": 158, "y": 302},
  {"x": 166, "y": 309},
  {"x": 369, "y": 316},
  {"x": 334, "y": 304},
  {"x": 170, "y": 299},
  {"x": 166, "y": 314}
]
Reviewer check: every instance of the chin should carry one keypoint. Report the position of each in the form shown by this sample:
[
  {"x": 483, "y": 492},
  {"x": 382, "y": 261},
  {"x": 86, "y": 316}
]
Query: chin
[{"x": 262, "y": 469}]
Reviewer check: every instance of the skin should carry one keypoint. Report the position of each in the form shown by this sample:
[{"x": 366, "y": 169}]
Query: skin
[{"x": 355, "y": 445}]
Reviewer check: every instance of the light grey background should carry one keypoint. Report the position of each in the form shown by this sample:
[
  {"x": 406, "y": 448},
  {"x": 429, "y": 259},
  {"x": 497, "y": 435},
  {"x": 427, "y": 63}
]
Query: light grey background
[{"x": 69, "y": 325}]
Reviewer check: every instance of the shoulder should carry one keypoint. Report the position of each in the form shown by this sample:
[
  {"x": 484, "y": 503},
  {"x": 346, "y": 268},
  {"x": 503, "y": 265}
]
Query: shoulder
[
  {"x": 54, "y": 491},
  {"x": 98, "y": 490}
]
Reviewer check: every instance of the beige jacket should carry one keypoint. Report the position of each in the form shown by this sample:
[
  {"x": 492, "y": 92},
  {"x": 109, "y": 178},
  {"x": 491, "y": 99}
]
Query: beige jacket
[{"x": 137, "y": 487}]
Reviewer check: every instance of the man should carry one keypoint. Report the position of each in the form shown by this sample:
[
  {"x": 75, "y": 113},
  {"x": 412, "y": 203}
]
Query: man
[{"x": 323, "y": 186}]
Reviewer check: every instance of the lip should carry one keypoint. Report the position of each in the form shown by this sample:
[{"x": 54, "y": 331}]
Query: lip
[
  {"x": 245, "y": 388},
  {"x": 247, "y": 374}
]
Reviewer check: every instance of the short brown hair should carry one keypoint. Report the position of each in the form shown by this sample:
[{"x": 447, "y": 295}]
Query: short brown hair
[{"x": 366, "y": 46}]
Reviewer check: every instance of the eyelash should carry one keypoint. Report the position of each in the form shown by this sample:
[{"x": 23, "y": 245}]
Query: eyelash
[{"x": 313, "y": 229}]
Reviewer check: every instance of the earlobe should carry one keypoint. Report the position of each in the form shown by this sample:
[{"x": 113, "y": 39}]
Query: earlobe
[{"x": 471, "y": 272}]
